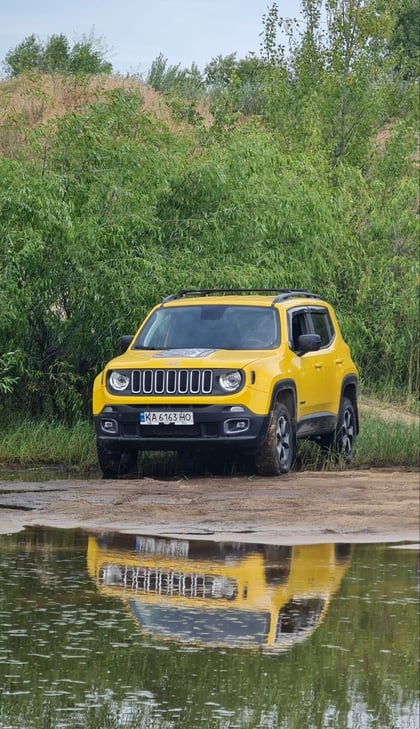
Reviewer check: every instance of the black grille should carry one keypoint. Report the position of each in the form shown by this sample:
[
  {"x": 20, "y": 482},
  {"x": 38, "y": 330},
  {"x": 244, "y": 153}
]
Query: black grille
[
  {"x": 171, "y": 382},
  {"x": 168, "y": 582}
]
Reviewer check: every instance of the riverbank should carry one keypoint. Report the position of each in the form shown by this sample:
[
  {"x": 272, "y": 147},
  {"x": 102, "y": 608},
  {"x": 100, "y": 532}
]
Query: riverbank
[{"x": 347, "y": 506}]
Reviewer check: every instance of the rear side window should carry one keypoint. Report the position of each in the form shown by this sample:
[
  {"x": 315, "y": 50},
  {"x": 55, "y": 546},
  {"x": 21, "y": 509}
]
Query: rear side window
[{"x": 322, "y": 325}]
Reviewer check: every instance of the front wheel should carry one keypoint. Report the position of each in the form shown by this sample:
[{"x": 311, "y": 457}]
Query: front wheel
[
  {"x": 277, "y": 452},
  {"x": 116, "y": 463},
  {"x": 341, "y": 441}
]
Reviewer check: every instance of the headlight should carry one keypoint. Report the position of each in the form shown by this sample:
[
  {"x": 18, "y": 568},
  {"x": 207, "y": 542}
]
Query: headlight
[
  {"x": 119, "y": 381},
  {"x": 230, "y": 381},
  {"x": 111, "y": 574}
]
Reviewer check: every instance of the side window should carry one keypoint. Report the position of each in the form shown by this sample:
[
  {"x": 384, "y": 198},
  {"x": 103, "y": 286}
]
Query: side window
[
  {"x": 298, "y": 324},
  {"x": 322, "y": 325}
]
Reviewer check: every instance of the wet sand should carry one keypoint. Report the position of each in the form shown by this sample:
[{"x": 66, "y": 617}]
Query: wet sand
[{"x": 306, "y": 507}]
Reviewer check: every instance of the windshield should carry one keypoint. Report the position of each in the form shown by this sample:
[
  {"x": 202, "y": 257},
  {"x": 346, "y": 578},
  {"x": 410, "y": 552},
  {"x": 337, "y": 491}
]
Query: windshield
[
  {"x": 203, "y": 624},
  {"x": 214, "y": 327}
]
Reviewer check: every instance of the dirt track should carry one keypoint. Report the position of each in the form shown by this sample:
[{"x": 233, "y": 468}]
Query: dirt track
[{"x": 352, "y": 506}]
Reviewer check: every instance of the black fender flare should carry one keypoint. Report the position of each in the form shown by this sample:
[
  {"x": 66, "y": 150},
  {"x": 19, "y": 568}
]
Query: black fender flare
[
  {"x": 285, "y": 391},
  {"x": 349, "y": 388},
  {"x": 288, "y": 388}
]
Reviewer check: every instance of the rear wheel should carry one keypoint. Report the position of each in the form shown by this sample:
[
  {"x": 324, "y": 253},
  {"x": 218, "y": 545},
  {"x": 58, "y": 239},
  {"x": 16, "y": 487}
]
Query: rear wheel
[
  {"x": 341, "y": 441},
  {"x": 116, "y": 463},
  {"x": 277, "y": 452}
]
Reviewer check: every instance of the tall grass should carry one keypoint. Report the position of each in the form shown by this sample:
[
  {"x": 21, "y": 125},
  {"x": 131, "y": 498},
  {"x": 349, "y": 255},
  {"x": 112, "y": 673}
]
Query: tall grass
[
  {"x": 385, "y": 442},
  {"x": 29, "y": 443}
]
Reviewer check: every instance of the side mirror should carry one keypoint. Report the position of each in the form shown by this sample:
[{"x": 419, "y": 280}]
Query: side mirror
[
  {"x": 308, "y": 343},
  {"x": 125, "y": 342}
]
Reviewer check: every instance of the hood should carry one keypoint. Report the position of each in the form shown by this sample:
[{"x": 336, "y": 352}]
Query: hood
[{"x": 188, "y": 358}]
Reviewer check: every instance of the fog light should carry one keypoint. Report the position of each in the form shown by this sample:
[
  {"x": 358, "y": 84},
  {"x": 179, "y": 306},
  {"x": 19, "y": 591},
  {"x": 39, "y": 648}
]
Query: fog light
[
  {"x": 224, "y": 587},
  {"x": 236, "y": 426},
  {"x": 109, "y": 426}
]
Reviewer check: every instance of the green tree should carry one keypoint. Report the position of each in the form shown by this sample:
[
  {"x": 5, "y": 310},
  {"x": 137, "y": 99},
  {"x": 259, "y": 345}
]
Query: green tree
[
  {"x": 27, "y": 56},
  {"x": 174, "y": 81},
  {"x": 87, "y": 56},
  {"x": 405, "y": 40},
  {"x": 236, "y": 84},
  {"x": 78, "y": 241},
  {"x": 104, "y": 211},
  {"x": 357, "y": 78},
  {"x": 331, "y": 90},
  {"x": 221, "y": 71},
  {"x": 56, "y": 56}
]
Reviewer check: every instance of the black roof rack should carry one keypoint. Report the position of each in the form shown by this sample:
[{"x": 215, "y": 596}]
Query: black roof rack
[
  {"x": 280, "y": 294},
  {"x": 292, "y": 293}
]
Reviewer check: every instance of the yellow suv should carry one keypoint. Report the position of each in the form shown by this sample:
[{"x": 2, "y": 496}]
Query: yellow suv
[
  {"x": 239, "y": 370},
  {"x": 233, "y": 595}
]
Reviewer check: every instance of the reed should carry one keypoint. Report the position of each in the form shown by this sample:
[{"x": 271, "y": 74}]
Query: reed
[
  {"x": 387, "y": 442},
  {"x": 27, "y": 443}
]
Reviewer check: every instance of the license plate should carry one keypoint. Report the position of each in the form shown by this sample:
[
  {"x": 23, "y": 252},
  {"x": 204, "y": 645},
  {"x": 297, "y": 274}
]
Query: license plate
[
  {"x": 166, "y": 417},
  {"x": 166, "y": 547}
]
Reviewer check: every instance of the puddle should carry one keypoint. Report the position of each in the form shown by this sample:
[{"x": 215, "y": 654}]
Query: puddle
[{"x": 133, "y": 631}]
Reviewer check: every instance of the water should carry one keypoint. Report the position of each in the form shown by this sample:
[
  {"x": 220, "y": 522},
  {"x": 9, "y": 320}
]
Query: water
[{"x": 133, "y": 631}]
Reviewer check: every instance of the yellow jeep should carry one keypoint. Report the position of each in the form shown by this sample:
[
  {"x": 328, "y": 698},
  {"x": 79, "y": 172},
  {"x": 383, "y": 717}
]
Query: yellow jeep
[
  {"x": 219, "y": 593},
  {"x": 239, "y": 370}
]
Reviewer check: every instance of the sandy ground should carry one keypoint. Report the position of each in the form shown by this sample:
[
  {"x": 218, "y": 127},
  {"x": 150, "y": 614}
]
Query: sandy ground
[{"x": 306, "y": 507}]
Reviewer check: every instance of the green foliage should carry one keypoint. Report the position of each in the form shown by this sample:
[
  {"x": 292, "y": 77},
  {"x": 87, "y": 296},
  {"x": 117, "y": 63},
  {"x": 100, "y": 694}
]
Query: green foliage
[
  {"x": 55, "y": 58},
  {"x": 26, "y": 56},
  {"x": 9, "y": 364},
  {"x": 75, "y": 233},
  {"x": 264, "y": 213},
  {"x": 385, "y": 443},
  {"x": 186, "y": 83},
  {"x": 231, "y": 85},
  {"x": 221, "y": 71},
  {"x": 235, "y": 86},
  {"x": 87, "y": 56},
  {"x": 105, "y": 211},
  {"x": 27, "y": 442},
  {"x": 405, "y": 40},
  {"x": 332, "y": 88}
]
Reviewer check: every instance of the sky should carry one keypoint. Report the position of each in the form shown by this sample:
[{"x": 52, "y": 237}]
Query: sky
[{"x": 135, "y": 32}]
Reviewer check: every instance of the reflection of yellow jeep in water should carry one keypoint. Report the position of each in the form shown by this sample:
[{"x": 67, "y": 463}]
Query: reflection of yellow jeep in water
[{"x": 219, "y": 593}]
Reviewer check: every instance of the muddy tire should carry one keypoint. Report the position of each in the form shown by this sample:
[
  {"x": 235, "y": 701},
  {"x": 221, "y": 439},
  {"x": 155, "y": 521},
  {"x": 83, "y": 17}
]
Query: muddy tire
[
  {"x": 116, "y": 463},
  {"x": 340, "y": 442},
  {"x": 277, "y": 452}
]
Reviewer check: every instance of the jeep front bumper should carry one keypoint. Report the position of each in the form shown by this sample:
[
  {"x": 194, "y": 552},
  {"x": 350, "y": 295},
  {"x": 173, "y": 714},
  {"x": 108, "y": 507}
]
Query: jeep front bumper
[{"x": 138, "y": 427}]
